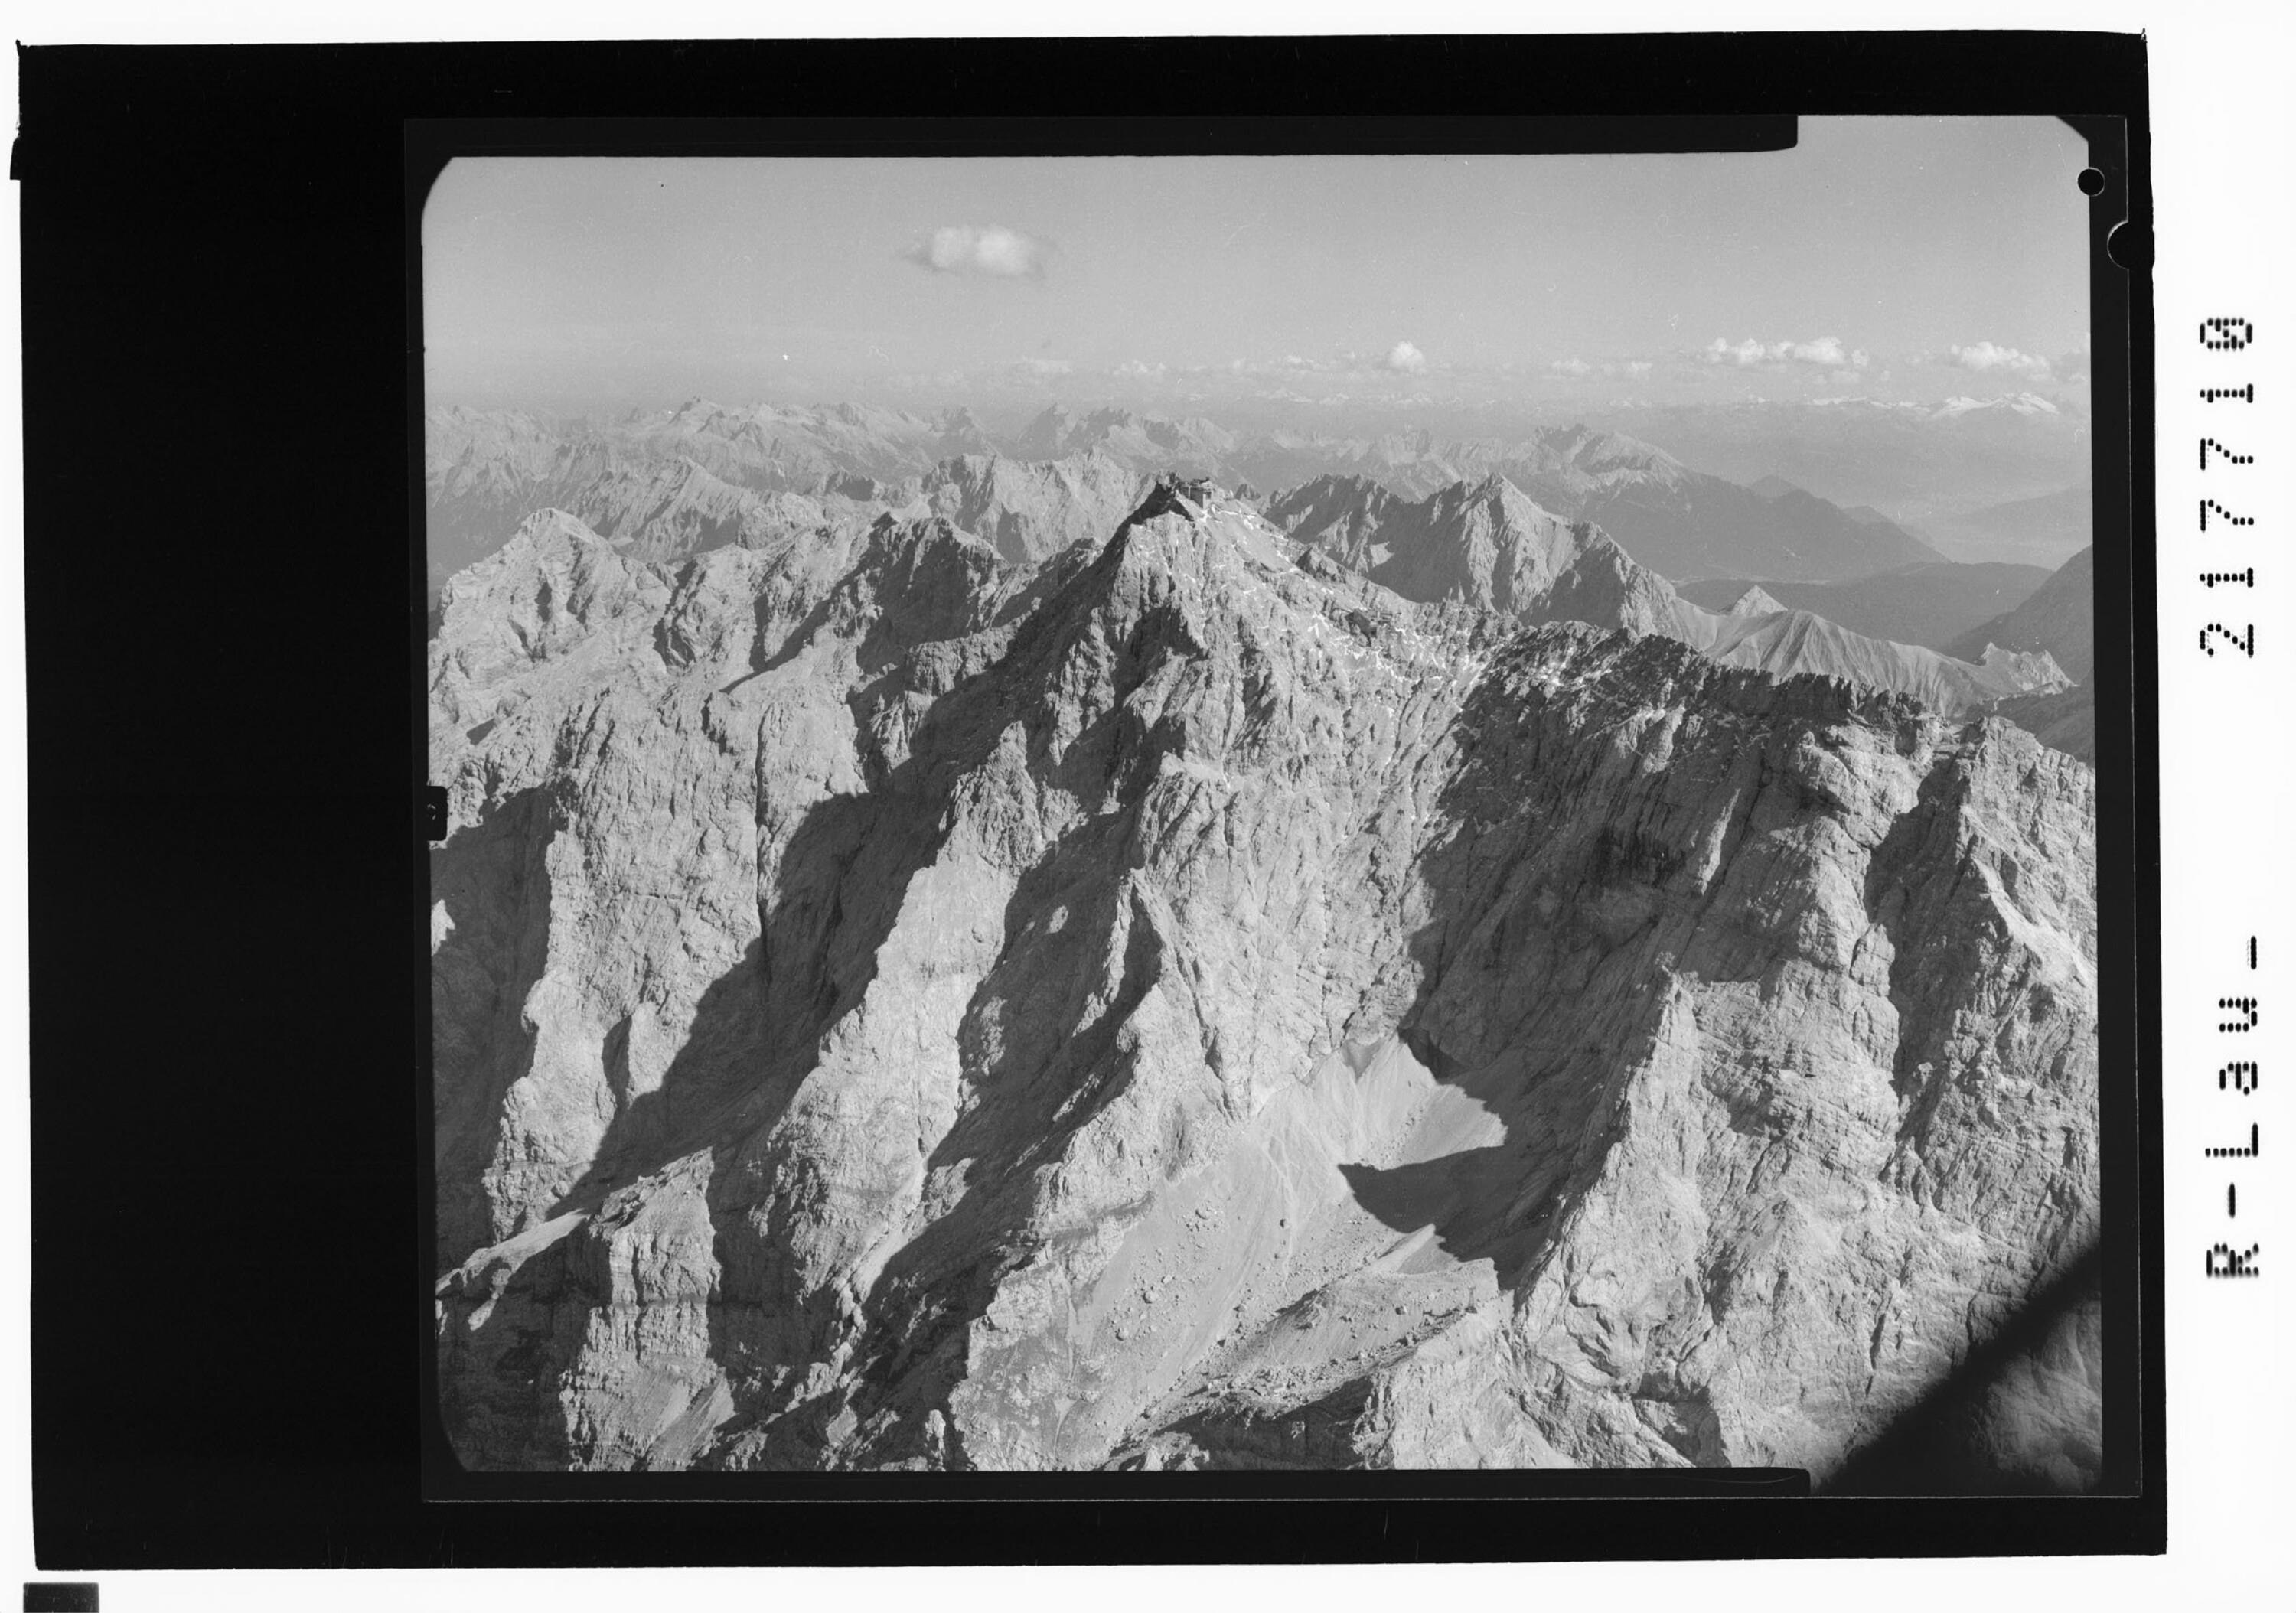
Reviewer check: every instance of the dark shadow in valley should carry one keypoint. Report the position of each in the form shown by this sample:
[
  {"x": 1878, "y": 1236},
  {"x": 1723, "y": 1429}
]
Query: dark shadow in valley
[
  {"x": 712, "y": 1082},
  {"x": 842, "y": 879},
  {"x": 1040, "y": 1058},
  {"x": 1569, "y": 894},
  {"x": 1495, "y": 1202},
  {"x": 1955, "y": 1441},
  {"x": 1532, "y": 917},
  {"x": 1537, "y": 922},
  {"x": 1028, "y": 1102},
  {"x": 499, "y": 1382},
  {"x": 793, "y": 643},
  {"x": 754, "y": 1037},
  {"x": 1469, "y": 1197},
  {"x": 1319, "y": 1435},
  {"x": 752, "y": 1040},
  {"x": 492, "y": 881}
]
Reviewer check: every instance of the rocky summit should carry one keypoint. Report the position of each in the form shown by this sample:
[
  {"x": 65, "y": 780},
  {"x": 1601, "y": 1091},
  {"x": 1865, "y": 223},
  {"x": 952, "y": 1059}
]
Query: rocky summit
[{"x": 911, "y": 998}]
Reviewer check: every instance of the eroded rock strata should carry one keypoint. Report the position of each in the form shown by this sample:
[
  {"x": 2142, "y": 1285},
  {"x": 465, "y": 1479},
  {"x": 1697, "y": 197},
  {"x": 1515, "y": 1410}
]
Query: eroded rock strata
[{"x": 902, "y": 1005}]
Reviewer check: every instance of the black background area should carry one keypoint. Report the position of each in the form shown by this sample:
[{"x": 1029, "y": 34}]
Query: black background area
[{"x": 230, "y": 1112}]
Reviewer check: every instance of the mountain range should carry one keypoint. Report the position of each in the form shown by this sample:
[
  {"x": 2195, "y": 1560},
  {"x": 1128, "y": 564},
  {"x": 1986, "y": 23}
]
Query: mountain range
[
  {"x": 682, "y": 481},
  {"x": 2058, "y": 618},
  {"x": 2048, "y": 527},
  {"x": 1487, "y": 545},
  {"x": 1918, "y": 464},
  {"x": 1680, "y": 522},
  {"x": 1934, "y": 604},
  {"x": 486, "y": 470},
  {"x": 1184, "y": 1002}
]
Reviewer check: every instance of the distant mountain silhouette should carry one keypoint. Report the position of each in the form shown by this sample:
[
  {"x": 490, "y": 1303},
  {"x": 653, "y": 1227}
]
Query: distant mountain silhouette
[
  {"x": 2059, "y": 616},
  {"x": 1932, "y": 604},
  {"x": 486, "y": 470},
  {"x": 1487, "y": 544}
]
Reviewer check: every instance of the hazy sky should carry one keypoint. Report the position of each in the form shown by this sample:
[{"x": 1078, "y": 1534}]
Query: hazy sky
[{"x": 1894, "y": 257}]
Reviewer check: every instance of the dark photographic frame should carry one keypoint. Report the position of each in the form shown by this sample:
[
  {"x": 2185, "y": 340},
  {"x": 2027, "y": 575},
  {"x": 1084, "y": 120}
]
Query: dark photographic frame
[{"x": 340, "y": 146}]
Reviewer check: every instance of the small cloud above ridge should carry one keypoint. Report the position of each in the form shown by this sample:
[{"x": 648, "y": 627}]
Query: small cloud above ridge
[
  {"x": 993, "y": 250},
  {"x": 1404, "y": 359},
  {"x": 1985, "y": 357},
  {"x": 1826, "y": 352}
]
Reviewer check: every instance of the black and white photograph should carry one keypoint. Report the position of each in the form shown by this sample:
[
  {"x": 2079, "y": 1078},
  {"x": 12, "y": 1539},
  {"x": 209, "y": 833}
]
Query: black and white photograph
[{"x": 1208, "y": 813}]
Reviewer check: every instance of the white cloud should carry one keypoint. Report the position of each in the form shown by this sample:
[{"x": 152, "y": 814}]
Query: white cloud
[
  {"x": 1985, "y": 358},
  {"x": 1406, "y": 359},
  {"x": 1044, "y": 366},
  {"x": 1574, "y": 369},
  {"x": 963, "y": 249},
  {"x": 1637, "y": 368},
  {"x": 1826, "y": 352},
  {"x": 1132, "y": 369}
]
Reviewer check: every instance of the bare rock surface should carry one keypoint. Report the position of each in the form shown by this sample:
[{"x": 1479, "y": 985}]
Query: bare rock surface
[
  {"x": 657, "y": 510},
  {"x": 1030, "y": 511},
  {"x": 2065, "y": 721},
  {"x": 1756, "y": 601},
  {"x": 1184, "y": 1002},
  {"x": 1488, "y": 544}
]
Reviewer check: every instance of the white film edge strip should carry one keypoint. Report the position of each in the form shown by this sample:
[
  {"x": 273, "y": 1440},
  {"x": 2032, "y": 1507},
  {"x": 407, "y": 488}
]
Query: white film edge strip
[{"x": 2226, "y": 377}]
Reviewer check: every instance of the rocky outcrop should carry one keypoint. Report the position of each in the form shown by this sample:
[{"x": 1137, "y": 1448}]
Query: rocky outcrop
[
  {"x": 2064, "y": 721},
  {"x": 1030, "y": 511},
  {"x": 667, "y": 509},
  {"x": 1680, "y": 522},
  {"x": 1487, "y": 544},
  {"x": 1144, "y": 443},
  {"x": 1340, "y": 516},
  {"x": 486, "y": 470},
  {"x": 1173, "y": 1006}
]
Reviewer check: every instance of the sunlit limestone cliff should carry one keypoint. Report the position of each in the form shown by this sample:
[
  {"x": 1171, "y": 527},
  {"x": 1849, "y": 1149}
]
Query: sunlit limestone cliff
[{"x": 1190, "y": 998}]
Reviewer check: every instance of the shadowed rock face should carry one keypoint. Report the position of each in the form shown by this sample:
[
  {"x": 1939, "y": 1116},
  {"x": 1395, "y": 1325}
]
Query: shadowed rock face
[{"x": 1183, "y": 1003}]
